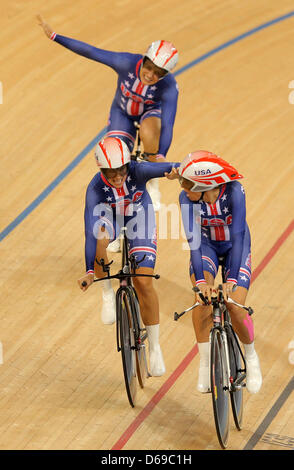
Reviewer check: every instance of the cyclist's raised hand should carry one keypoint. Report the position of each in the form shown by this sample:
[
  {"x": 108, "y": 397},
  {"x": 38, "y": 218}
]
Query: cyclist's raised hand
[
  {"x": 47, "y": 29},
  {"x": 85, "y": 281},
  {"x": 173, "y": 175},
  {"x": 228, "y": 288}
]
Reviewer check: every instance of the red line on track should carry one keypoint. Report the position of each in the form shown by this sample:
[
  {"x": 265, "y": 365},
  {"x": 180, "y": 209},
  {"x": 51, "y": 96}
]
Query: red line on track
[{"x": 188, "y": 358}]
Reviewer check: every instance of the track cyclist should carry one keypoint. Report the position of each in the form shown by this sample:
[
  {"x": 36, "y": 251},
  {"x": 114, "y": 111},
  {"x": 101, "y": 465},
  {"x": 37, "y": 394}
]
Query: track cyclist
[
  {"x": 146, "y": 93},
  {"x": 213, "y": 195},
  {"x": 117, "y": 197}
]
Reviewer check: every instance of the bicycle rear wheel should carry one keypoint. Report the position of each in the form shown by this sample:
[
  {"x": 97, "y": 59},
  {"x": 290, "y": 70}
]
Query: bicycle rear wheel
[
  {"x": 141, "y": 361},
  {"x": 127, "y": 343},
  {"x": 237, "y": 376},
  {"x": 219, "y": 387}
]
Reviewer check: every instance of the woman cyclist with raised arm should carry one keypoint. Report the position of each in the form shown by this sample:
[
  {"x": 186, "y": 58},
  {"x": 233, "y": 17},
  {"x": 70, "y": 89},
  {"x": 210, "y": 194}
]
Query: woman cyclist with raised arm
[
  {"x": 117, "y": 197},
  {"x": 214, "y": 216},
  {"x": 146, "y": 93}
]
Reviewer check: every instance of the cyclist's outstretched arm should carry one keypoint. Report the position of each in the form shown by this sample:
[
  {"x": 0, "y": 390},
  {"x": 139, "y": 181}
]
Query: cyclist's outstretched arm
[
  {"x": 148, "y": 170},
  {"x": 115, "y": 60}
]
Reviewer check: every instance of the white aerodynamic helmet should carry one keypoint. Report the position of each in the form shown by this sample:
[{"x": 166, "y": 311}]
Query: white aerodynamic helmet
[
  {"x": 206, "y": 171},
  {"x": 163, "y": 54},
  {"x": 112, "y": 152}
]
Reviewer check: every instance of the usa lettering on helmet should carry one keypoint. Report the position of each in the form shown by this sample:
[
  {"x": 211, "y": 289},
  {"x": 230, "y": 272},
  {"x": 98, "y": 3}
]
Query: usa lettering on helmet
[
  {"x": 202, "y": 172},
  {"x": 207, "y": 170}
]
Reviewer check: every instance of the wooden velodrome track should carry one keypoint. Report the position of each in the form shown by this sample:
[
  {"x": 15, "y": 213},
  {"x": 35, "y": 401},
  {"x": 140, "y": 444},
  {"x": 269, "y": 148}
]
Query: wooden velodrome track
[{"x": 61, "y": 384}]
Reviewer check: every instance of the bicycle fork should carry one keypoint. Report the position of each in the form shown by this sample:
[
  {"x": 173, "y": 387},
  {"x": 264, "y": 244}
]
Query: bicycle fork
[
  {"x": 217, "y": 324},
  {"x": 227, "y": 371}
]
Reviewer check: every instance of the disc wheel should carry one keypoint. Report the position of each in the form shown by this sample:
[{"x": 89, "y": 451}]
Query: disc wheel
[
  {"x": 141, "y": 362},
  {"x": 236, "y": 372}
]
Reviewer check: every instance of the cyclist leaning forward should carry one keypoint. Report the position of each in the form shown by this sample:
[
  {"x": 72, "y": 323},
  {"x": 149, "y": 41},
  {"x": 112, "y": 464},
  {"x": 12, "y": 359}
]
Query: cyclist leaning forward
[
  {"x": 117, "y": 197},
  {"x": 146, "y": 93},
  {"x": 213, "y": 196}
]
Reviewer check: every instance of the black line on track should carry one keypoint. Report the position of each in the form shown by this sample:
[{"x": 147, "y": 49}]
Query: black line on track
[{"x": 270, "y": 416}]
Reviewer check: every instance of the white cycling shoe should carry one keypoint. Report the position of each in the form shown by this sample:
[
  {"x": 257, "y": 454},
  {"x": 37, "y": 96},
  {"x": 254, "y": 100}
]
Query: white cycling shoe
[
  {"x": 157, "y": 367},
  {"x": 156, "y": 362},
  {"x": 114, "y": 246},
  {"x": 203, "y": 384},
  {"x": 108, "y": 312},
  {"x": 253, "y": 373}
]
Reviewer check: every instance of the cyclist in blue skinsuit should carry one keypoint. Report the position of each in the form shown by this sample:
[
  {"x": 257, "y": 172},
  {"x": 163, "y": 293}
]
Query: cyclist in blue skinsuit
[
  {"x": 214, "y": 217},
  {"x": 117, "y": 197},
  {"x": 146, "y": 93}
]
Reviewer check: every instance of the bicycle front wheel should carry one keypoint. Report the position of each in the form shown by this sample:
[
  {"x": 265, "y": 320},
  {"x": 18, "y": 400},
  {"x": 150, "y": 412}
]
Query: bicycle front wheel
[
  {"x": 127, "y": 343},
  {"x": 219, "y": 387}
]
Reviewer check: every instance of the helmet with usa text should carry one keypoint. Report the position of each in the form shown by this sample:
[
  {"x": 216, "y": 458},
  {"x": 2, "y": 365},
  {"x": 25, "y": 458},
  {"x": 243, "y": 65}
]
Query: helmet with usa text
[
  {"x": 112, "y": 152},
  {"x": 163, "y": 54},
  {"x": 203, "y": 170}
]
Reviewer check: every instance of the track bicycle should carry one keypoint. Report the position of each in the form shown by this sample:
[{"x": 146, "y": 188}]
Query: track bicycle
[
  {"x": 227, "y": 365},
  {"x": 130, "y": 335}
]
